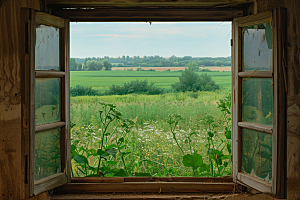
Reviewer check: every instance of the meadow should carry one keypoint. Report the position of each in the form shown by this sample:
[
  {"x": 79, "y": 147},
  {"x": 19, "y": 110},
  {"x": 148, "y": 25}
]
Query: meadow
[
  {"x": 102, "y": 80},
  {"x": 173, "y": 134}
]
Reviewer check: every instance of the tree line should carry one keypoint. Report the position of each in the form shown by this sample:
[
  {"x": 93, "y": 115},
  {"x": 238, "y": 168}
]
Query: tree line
[
  {"x": 151, "y": 61},
  {"x": 90, "y": 65}
]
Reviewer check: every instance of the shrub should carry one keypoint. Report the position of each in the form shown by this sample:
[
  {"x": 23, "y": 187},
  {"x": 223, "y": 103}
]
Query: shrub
[
  {"x": 137, "y": 86},
  {"x": 82, "y": 91},
  {"x": 190, "y": 81}
]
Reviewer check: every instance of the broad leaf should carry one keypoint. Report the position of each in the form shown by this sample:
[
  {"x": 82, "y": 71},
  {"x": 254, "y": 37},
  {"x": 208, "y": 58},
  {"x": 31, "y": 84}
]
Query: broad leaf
[
  {"x": 192, "y": 160},
  {"x": 81, "y": 159}
]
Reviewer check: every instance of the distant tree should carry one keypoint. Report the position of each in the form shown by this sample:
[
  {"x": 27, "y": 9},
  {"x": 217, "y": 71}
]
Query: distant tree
[
  {"x": 192, "y": 66},
  {"x": 190, "y": 81},
  {"x": 107, "y": 65},
  {"x": 73, "y": 64}
]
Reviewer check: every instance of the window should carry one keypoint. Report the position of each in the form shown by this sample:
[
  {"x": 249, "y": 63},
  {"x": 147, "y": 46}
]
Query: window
[
  {"x": 47, "y": 76},
  {"x": 258, "y": 95}
]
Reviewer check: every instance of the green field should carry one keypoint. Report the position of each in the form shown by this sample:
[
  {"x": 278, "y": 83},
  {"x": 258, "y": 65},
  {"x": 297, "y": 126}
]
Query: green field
[
  {"x": 101, "y": 80},
  {"x": 149, "y": 148}
]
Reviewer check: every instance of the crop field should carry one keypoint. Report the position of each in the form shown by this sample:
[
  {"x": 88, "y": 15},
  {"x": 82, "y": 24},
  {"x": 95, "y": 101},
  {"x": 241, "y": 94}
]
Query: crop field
[
  {"x": 102, "y": 80},
  {"x": 212, "y": 68},
  {"x": 172, "y": 134}
]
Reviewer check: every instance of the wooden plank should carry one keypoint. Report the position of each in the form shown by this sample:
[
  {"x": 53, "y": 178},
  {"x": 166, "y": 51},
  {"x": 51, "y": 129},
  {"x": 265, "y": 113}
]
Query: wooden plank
[
  {"x": 83, "y": 3},
  {"x": 47, "y": 183},
  {"x": 25, "y": 98},
  {"x": 255, "y": 183},
  {"x": 279, "y": 160},
  {"x": 49, "y": 20},
  {"x": 255, "y": 74},
  {"x": 97, "y": 179},
  {"x": 152, "y": 14},
  {"x": 32, "y": 101},
  {"x": 67, "y": 98},
  {"x": 256, "y": 127},
  {"x": 151, "y": 179},
  {"x": 255, "y": 19},
  {"x": 49, "y": 74},
  {"x": 49, "y": 126},
  {"x": 234, "y": 97},
  {"x": 160, "y": 187}
]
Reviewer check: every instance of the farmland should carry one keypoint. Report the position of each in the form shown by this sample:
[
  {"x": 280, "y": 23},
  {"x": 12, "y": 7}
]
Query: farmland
[
  {"x": 101, "y": 80},
  {"x": 147, "y": 145}
]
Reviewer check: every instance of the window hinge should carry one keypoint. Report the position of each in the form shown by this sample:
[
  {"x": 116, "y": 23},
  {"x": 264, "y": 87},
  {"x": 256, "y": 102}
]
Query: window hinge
[{"x": 231, "y": 42}]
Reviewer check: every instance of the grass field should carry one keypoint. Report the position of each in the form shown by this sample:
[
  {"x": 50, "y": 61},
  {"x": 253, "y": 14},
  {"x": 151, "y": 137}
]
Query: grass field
[
  {"x": 198, "y": 145},
  {"x": 102, "y": 80}
]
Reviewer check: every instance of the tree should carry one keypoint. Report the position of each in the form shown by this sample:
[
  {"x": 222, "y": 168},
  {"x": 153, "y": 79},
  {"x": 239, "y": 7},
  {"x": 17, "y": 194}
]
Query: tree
[
  {"x": 73, "y": 64},
  {"x": 192, "y": 66},
  {"x": 191, "y": 81},
  {"x": 107, "y": 65}
]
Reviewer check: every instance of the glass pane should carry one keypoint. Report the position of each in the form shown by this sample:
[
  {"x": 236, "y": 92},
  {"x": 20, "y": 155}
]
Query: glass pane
[
  {"x": 47, "y": 154},
  {"x": 257, "y": 48},
  {"x": 257, "y": 154},
  {"x": 47, "y": 48},
  {"x": 257, "y": 103},
  {"x": 47, "y": 100}
]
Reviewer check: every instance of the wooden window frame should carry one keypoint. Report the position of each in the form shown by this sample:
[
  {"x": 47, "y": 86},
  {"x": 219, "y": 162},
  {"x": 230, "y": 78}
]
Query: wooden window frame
[
  {"x": 277, "y": 186},
  {"x": 137, "y": 184},
  {"x": 31, "y": 20}
]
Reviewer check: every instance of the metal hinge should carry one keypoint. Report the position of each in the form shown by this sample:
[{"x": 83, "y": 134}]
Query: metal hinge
[{"x": 231, "y": 42}]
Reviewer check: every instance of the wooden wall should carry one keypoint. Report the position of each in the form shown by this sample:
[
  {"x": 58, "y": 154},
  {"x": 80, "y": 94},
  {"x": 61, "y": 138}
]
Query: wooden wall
[
  {"x": 293, "y": 96},
  {"x": 10, "y": 98},
  {"x": 10, "y": 95}
]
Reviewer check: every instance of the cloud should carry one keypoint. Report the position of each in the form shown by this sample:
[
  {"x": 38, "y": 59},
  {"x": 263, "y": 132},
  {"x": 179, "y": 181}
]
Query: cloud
[{"x": 115, "y": 35}]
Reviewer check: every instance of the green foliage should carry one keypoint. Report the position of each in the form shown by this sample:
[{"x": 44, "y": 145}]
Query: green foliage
[
  {"x": 115, "y": 146},
  {"x": 191, "y": 81},
  {"x": 93, "y": 65},
  {"x": 192, "y": 66},
  {"x": 82, "y": 91},
  {"x": 137, "y": 86}
]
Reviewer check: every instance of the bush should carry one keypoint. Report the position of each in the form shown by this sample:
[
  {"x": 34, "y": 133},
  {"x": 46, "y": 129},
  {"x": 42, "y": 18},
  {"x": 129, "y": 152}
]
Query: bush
[
  {"x": 82, "y": 91},
  {"x": 137, "y": 86},
  {"x": 190, "y": 81}
]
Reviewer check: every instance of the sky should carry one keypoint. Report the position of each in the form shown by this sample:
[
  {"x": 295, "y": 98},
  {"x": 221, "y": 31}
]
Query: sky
[{"x": 113, "y": 39}]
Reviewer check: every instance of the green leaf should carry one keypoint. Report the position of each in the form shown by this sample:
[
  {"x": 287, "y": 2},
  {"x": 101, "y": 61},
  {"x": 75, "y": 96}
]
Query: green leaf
[
  {"x": 81, "y": 149},
  {"x": 121, "y": 140},
  {"x": 111, "y": 146},
  {"x": 100, "y": 152},
  {"x": 210, "y": 134},
  {"x": 111, "y": 151},
  {"x": 112, "y": 162},
  {"x": 192, "y": 160},
  {"x": 92, "y": 152},
  {"x": 81, "y": 159},
  {"x": 228, "y": 134},
  {"x": 137, "y": 174},
  {"x": 229, "y": 148},
  {"x": 120, "y": 172}
]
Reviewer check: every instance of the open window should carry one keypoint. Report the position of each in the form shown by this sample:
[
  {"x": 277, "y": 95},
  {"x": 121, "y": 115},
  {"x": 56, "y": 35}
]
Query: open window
[
  {"x": 46, "y": 79},
  {"x": 258, "y": 99}
]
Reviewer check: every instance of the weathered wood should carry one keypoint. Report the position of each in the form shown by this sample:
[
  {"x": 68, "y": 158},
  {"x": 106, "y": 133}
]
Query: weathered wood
[
  {"x": 152, "y": 14},
  {"x": 151, "y": 179},
  {"x": 256, "y": 127},
  {"x": 50, "y": 126},
  {"x": 255, "y": 19},
  {"x": 97, "y": 180},
  {"x": 279, "y": 161},
  {"x": 47, "y": 183},
  {"x": 49, "y": 74},
  {"x": 204, "y": 3},
  {"x": 160, "y": 187},
  {"x": 255, "y": 183},
  {"x": 49, "y": 20},
  {"x": 256, "y": 74},
  {"x": 67, "y": 98}
]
